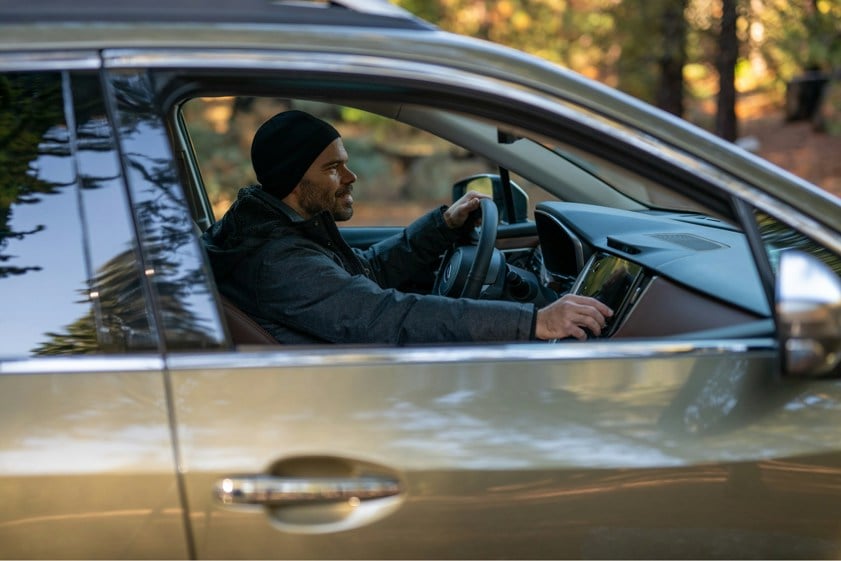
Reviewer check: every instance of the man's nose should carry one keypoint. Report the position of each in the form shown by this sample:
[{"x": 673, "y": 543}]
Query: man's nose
[{"x": 349, "y": 176}]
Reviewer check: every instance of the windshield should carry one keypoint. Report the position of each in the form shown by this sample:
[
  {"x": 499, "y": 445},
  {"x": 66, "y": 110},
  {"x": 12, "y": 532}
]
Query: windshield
[{"x": 645, "y": 192}]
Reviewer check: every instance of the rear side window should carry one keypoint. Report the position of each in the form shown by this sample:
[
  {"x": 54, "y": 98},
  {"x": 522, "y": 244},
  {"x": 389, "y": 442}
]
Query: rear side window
[{"x": 69, "y": 277}]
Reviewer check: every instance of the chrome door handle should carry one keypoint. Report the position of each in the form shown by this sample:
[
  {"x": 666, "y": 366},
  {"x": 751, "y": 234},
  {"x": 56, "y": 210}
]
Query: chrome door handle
[{"x": 271, "y": 490}]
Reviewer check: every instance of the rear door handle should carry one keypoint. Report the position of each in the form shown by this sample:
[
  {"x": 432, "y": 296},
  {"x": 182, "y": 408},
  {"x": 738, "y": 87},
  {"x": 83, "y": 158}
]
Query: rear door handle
[{"x": 269, "y": 490}]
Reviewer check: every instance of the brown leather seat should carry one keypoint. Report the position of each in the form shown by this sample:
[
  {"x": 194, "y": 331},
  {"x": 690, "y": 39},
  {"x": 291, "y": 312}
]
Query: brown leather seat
[{"x": 242, "y": 328}]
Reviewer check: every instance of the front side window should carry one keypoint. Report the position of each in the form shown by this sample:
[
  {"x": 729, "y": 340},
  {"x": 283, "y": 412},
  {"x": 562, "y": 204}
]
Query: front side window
[
  {"x": 573, "y": 215},
  {"x": 403, "y": 171},
  {"x": 778, "y": 237}
]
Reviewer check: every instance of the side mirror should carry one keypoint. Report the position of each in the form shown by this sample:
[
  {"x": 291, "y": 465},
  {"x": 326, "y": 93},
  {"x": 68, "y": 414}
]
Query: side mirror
[
  {"x": 809, "y": 315},
  {"x": 492, "y": 185}
]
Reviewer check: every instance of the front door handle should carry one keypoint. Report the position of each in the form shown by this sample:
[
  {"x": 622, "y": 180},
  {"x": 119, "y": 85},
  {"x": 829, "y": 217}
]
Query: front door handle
[{"x": 269, "y": 490}]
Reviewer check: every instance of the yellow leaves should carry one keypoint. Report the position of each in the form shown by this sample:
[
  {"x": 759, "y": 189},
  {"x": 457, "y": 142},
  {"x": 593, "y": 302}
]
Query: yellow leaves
[
  {"x": 498, "y": 21},
  {"x": 556, "y": 5},
  {"x": 824, "y": 6},
  {"x": 521, "y": 20},
  {"x": 505, "y": 9},
  {"x": 470, "y": 18}
]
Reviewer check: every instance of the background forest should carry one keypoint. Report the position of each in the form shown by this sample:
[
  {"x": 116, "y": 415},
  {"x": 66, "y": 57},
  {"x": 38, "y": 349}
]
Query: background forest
[
  {"x": 685, "y": 56},
  {"x": 766, "y": 71}
]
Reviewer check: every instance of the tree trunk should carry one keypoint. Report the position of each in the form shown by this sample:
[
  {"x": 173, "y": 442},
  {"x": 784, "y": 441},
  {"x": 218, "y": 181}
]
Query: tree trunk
[
  {"x": 673, "y": 57},
  {"x": 728, "y": 53}
]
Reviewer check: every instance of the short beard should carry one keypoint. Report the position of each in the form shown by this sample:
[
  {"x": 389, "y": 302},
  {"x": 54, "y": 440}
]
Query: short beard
[{"x": 313, "y": 201}]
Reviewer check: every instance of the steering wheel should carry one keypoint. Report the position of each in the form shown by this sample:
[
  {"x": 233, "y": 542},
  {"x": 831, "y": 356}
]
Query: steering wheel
[{"x": 468, "y": 265}]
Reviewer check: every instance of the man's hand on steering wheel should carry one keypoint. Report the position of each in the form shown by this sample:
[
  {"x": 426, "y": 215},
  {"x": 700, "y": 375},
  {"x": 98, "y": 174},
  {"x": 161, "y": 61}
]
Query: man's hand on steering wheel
[
  {"x": 458, "y": 213},
  {"x": 464, "y": 268}
]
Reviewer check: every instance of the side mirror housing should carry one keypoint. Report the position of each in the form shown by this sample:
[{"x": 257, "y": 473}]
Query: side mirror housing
[
  {"x": 492, "y": 185},
  {"x": 809, "y": 315}
]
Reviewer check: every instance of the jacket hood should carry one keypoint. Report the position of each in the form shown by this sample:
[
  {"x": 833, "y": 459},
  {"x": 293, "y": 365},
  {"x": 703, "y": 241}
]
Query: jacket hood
[{"x": 250, "y": 222}]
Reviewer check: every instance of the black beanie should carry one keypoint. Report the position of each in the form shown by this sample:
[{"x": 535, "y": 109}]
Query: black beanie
[{"x": 284, "y": 148}]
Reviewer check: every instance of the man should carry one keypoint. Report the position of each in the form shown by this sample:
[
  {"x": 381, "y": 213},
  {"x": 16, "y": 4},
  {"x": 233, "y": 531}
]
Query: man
[{"x": 278, "y": 255}]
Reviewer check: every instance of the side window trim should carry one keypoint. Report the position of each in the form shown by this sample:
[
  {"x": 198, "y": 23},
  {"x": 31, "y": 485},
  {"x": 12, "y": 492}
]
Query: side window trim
[
  {"x": 43, "y": 62},
  {"x": 745, "y": 213}
]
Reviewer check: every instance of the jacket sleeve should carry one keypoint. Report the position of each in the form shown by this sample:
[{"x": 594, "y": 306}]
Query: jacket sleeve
[
  {"x": 304, "y": 289},
  {"x": 414, "y": 251}
]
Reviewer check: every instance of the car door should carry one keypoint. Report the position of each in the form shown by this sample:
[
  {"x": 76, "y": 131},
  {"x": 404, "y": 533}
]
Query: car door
[
  {"x": 662, "y": 447},
  {"x": 87, "y": 464}
]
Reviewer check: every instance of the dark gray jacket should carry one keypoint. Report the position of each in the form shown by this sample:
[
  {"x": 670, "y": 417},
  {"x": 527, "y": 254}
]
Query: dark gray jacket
[{"x": 304, "y": 284}]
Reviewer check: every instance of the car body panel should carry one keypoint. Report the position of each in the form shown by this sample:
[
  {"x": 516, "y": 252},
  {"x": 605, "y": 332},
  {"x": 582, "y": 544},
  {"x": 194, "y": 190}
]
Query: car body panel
[
  {"x": 87, "y": 459},
  {"x": 87, "y": 464},
  {"x": 552, "y": 462}
]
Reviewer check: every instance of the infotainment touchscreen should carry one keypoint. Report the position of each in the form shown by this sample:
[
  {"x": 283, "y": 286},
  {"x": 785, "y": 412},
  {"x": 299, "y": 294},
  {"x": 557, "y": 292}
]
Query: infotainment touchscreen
[{"x": 610, "y": 279}]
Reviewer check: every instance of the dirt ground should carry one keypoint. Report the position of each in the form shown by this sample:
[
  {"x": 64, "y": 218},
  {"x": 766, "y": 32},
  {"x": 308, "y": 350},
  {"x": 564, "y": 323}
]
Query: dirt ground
[{"x": 798, "y": 148}]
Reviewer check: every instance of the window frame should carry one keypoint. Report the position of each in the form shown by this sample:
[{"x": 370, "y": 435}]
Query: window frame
[{"x": 180, "y": 74}]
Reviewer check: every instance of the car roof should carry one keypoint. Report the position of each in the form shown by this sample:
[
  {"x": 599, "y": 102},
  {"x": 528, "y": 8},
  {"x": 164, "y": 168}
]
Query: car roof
[{"x": 361, "y": 13}]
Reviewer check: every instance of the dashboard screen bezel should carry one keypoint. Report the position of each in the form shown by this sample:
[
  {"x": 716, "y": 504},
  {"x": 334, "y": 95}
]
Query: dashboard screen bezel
[{"x": 610, "y": 279}]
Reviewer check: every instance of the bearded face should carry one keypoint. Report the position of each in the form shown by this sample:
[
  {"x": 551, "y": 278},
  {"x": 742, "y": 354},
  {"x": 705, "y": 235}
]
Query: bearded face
[{"x": 327, "y": 185}]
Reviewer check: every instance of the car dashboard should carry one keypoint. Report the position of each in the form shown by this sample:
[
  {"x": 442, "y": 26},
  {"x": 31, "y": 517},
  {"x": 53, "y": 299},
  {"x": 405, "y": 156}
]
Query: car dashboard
[{"x": 662, "y": 273}]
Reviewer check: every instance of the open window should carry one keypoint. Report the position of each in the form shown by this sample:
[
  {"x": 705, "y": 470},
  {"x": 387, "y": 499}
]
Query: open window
[{"x": 674, "y": 246}]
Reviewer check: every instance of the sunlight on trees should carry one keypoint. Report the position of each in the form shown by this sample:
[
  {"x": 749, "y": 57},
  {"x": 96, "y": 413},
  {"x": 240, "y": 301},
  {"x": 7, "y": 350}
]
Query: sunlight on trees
[{"x": 629, "y": 43}]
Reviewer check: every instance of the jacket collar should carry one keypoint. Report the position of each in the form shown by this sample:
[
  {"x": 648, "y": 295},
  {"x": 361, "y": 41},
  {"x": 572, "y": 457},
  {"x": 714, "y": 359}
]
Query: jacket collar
[{"x": 289, "y": 212}]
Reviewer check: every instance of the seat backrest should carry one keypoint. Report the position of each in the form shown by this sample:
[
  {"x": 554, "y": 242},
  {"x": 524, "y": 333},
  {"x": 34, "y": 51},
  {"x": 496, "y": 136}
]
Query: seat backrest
[{"x": 242, "y": 327}]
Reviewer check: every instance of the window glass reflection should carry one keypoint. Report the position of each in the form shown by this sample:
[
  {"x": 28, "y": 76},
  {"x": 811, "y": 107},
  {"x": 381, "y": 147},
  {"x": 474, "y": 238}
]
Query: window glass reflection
[
  {"x": 43, "y": 277},
  {"x": 170, "y": 248},
  {"x": 777, "y": 237},
  {"x": 122, "y": 309},
  {"x": 69, "y": 274}
]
